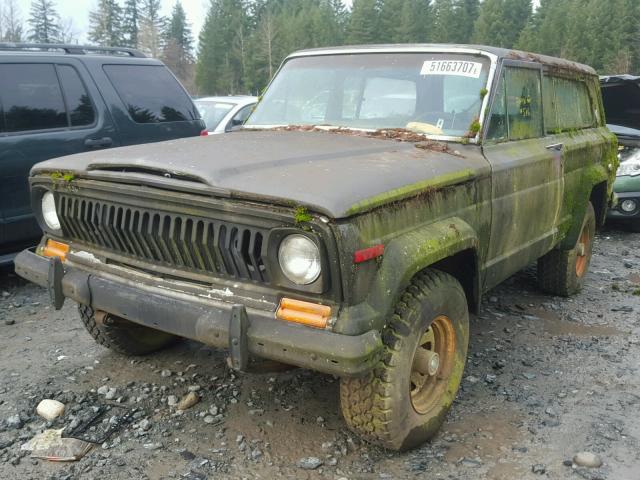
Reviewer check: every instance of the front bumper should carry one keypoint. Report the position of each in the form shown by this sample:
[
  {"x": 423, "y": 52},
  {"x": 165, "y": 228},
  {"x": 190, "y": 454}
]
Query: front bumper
[{"x": 264, "y": 336}]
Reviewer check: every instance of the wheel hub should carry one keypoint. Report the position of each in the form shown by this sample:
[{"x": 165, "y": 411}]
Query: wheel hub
[{"x": 432, "y": 364}]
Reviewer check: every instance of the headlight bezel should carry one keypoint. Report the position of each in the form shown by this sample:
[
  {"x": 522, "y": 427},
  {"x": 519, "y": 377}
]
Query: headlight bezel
[
  {"x": 37, "y": 196},
  {"x": 276, "y": 237}
]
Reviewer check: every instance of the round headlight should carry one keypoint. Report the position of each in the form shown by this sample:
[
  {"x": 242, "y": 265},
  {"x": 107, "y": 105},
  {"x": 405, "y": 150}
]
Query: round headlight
[
  {"x": 628, "y": 205},
  {"x": 49, "y": 213},
  {"x": 299, "y": 259}
]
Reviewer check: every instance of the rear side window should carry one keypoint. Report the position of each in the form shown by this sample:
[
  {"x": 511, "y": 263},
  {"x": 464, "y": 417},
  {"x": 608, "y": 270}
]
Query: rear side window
[
  {"x": 517, "y": 109},
  {"x": 567, "y": 105},
  {"x": 81, "y": 112},
  {"x": 150, "y": 93},
  {"x": 31, "y": 98}
]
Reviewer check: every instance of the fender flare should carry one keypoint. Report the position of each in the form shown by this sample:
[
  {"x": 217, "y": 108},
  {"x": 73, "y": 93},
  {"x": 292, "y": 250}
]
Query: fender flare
[{"x": 403, "y": 258}]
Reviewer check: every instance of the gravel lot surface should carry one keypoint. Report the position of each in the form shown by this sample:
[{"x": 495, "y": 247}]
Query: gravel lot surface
[{"x": 546, "y": 379}]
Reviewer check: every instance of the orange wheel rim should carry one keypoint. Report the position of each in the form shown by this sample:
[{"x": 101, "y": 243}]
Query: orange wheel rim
[
  {"x": 432, "y": 364},
  {"x": 584, "y": 244}
]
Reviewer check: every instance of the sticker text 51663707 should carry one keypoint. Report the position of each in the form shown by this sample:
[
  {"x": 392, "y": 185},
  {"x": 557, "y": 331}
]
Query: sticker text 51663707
[{"x": 452, "y": 67}]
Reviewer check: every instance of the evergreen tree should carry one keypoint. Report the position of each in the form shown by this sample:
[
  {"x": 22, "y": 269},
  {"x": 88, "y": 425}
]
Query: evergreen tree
[
  {"x": 222, "y": 49},
  {"x": 105, "y": 24},
  {"x": 414, "y": 23},
  {"x": 178, "y": 43},
  {"x": 364, "y": 23},
  {"x": 465, "y": 19},
  {"x": 501, "y": 22},
  {"x": 44, "y": 22},
  {"x": 130, "y": 24},
  {"x": 444, "y": 15},
  {"x": 151, "y": 26}
]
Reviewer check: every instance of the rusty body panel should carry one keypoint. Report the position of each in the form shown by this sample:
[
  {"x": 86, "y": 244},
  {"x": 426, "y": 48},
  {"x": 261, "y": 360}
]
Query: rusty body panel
[{"x": 477, "y": 208}]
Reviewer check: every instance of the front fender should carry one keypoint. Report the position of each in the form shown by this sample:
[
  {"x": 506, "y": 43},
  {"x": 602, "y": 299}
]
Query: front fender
[{"x": 403, "y": 257}]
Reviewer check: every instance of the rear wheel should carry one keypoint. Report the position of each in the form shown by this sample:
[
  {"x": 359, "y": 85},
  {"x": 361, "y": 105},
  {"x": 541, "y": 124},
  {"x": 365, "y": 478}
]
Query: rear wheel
[
  {"x": 123, "y": 336},
  {"x": 404, "y": 400},
  {"x": 563, "y": 272}
]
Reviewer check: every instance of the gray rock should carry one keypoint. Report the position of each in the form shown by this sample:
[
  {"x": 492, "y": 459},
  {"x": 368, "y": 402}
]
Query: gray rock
[
  {"x": 309, "y": 463},
  {"x": 490, "y": 378},
  {"x": 103, "y": 390},
  {"x": 153, "y": 446},
  {"x": 539, "y": 469},
  {"x": 14, "y": 422},
  {"x": 111, "y": 394},
  {"x": 9, "y": 321},
  {"x": 165, "y": 373},
  {"x": 209, "y": 419},
  {"x": 172, "y": 400},
  {"x": 144, "y": 425},
  {"x": 587, "y": 459}
]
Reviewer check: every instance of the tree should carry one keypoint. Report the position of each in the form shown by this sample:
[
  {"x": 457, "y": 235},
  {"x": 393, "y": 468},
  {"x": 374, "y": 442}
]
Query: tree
[
  {"x": 130, "y": 24},
  {"x": 466, "y": 15},
  {"x": 11, "y": 29},
  {"x": 105, "y": 24},
  {"x": 151, "y": 27},
  {"x": 44, "y": 22},
  {"x": 177, "y": 53},
  {"x": 500, "y": 22},
  {"x": 444, "y": 16},
  {"x": 364, "y": 23},
  {"x": 68, "y": 32},
  {"x": 221, "y": 49}
]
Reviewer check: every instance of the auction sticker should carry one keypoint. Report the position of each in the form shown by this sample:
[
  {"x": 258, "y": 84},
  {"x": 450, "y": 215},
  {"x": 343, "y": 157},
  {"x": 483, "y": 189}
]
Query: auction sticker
[{"x": 452, "y": 67}]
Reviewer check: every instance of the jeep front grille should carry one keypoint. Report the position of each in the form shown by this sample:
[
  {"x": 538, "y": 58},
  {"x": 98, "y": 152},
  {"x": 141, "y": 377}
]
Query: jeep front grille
[{"x": 174, "y": 240}]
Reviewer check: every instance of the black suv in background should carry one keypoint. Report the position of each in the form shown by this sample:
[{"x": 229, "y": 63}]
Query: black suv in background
[{"x": 56, "y": 100}]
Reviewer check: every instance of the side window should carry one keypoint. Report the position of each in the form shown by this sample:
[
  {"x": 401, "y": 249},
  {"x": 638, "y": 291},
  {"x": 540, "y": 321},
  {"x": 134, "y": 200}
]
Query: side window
[
  {"x": 242, "y": 115},
  {"x": 79, "y": 106},
  {"x": 517, "y": 106},
  {"x": 31, "y": 97},
  {"x": 569, "y": 105},
  {"x": 150, "y": 93},
  {"x": 2, "y": 127},
  {"x": 498, "y": 130}
]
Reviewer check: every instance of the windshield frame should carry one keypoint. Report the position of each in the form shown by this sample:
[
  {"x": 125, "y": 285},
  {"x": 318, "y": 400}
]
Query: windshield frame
[{"x": 493, "y": 65}]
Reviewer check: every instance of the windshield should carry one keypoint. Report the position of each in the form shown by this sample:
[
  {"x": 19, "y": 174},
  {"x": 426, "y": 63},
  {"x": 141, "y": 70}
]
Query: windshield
[
  {"x": 433, "y": 93},
  {"x": 213, "y": 112}
]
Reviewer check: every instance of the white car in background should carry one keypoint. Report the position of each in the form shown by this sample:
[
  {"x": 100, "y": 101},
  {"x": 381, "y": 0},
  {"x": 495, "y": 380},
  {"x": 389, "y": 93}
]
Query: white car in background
[{"x": 221, "y": 114}]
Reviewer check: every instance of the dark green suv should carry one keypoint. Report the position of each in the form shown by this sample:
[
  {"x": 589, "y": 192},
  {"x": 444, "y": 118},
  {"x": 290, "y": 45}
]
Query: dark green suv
[
  {"x": 373, "y": 196},
  {"x": 56, "y": 100}
]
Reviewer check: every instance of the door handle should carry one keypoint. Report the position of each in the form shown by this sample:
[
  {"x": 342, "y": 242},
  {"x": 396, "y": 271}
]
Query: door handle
[
  {"x": 98, "y": 142},
  {"x": 556, "y": 146}
]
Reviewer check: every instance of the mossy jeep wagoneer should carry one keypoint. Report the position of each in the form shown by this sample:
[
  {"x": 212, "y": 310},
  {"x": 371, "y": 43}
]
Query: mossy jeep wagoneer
[{"x": 371, "y": 198}]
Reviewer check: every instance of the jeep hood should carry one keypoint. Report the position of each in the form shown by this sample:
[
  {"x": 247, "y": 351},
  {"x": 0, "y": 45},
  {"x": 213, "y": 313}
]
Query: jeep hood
[{"x": 334, "y": 174}]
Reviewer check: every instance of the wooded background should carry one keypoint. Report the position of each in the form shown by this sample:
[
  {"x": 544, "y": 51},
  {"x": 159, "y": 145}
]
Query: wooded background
[{"x": 243, "y": 42}]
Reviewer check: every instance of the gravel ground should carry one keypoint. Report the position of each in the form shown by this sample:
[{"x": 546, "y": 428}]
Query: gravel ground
[{"x": 546, "y": 378}]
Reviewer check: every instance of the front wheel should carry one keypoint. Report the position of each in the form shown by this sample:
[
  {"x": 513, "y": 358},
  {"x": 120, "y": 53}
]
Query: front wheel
[
  {"x": 123, "y": 336},
  {"x": 404, "y": 400},
  {"x": 563, "y": 272}
]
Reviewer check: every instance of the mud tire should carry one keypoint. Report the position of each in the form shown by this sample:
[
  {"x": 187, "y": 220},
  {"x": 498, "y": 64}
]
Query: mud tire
[
  {"x": 123, "y": 336},
  {"x": 378, "y": 406},
  {"x": 557, "y": 269}
]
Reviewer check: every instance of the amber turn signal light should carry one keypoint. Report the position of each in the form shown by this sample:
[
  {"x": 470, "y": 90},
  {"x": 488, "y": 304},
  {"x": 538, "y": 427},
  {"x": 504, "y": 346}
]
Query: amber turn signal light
[
  {"x": 305, "y": 313},
  {"x": 55, "y": 249}
]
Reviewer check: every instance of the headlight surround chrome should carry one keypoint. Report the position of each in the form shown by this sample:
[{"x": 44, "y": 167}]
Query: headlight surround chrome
[
  {"x": 628, "y": 205},
  {"x": 49, "y": 213},
  {"x": 299, "y": 259}
]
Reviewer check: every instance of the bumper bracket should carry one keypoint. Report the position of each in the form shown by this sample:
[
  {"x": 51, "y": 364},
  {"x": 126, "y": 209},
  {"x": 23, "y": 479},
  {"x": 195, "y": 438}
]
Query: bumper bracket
[
  {"x": 56, "y": 272},
  {"x": 238, "y": 344}
]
